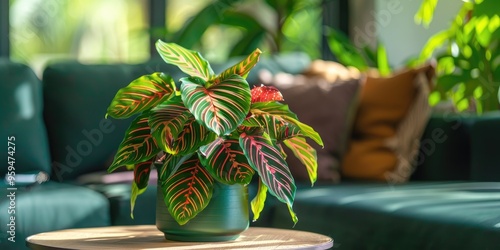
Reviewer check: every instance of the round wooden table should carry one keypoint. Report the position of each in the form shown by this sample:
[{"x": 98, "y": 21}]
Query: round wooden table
[{"x": 148, "y": 237}]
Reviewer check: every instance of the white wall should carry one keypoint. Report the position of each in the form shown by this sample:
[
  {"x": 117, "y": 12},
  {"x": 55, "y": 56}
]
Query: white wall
[{"x": 392, "y": 22}]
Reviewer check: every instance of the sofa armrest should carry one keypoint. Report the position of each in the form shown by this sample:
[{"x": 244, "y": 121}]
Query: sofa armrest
[{"x": 485, "y": 157}]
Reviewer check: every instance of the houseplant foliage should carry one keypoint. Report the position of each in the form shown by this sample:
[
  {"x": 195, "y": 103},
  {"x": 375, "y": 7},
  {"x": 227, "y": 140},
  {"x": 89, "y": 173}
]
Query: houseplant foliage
[
  {"x": 467, "y": 55},
  {"x": 214, "y": 128}
]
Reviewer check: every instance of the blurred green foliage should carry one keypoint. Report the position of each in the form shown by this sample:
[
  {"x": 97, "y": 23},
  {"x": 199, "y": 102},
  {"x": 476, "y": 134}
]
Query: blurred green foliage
[
  {"x": 361, "y": 58},
  {"x": 87, "y": 30},
  {"x": 467, "y": 54},
  {"x": 237, "y": 27}
]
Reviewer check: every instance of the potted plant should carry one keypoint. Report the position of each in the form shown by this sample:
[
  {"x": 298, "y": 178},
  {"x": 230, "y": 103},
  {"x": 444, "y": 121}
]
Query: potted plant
[{"x": 211, "y": 131}]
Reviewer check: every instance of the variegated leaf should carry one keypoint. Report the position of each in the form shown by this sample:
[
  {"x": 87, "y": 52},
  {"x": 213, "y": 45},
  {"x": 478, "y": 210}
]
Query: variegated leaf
[
  {"x": 188, "y": 191},
  {"x": 306, "y": 130},
  {"x": 306, "y": 154},
  {"x": 257, "y": 203},
  {"x": 266, "y": 94},
  {"x": 137, "y": 146},
  {"x": 269, "y": 163},
  {"x": 175, "y": 128},
  {"x": 188, "y": 61},
  {"x": 272, "y": 108},
  {"x": 222, "y": 107},
  {"x": 141, "y": 95},
  {"x": 283, "y": 113},
  {"x": 242, "y": 68},
  {"x": 271, "y": 124},
  {"x": 225, "y": 160},
  {"x": 141, "y": 178}
]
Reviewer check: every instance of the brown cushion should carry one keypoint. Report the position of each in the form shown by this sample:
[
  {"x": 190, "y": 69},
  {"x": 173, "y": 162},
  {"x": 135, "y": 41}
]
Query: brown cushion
[
  {"x": 384, "y": 103},
  {"x": 328, "y": 108}
]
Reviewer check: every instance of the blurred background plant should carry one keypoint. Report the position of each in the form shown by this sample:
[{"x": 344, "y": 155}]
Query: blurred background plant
[
  {"x": 467, "y": 56},
  {"x": 272, "y": 25},
  {"x": 364, "y": 59}
]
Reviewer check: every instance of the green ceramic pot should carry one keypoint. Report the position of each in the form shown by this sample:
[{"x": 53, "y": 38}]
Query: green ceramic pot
[{"x": 224, "y": 218}]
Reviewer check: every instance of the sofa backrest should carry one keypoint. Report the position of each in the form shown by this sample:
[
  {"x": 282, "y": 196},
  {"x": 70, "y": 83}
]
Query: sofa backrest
[{"x": 23, "y": 133}]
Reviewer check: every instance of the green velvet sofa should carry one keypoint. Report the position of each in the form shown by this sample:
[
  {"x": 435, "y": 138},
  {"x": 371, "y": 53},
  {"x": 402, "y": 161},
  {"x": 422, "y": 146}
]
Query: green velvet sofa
[{"x": 451, "y": 202}]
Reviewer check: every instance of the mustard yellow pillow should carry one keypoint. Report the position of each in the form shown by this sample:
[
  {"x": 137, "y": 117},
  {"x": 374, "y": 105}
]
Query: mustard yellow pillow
[{"x": 377, "y": 133}]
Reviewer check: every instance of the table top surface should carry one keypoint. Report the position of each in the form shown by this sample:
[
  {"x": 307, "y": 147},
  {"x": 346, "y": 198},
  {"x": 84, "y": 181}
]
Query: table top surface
[{"x": 148, "y": 237}]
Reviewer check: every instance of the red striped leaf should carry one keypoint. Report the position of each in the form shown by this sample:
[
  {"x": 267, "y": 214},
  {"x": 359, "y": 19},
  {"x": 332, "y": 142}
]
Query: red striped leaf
[
  {"x": 225, "y": 160},
  {"x": 222, "y": 107},
  {"x": 188, "y": 61},
  {"x": 141, "y": 95},
  {"x": 137, "y": 146},
  {"x": 188, "y": 191},
  {"x": 270, "y": 165}
]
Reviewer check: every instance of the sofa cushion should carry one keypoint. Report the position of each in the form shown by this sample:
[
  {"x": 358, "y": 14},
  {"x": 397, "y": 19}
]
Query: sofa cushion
[
  {"x": 328, "y": 107},
  {"x": 51, "y": 206},
  {"x": 21, "y": 119},
  {"x": 390, "y": 119},
  {"x": 409, "y": 216}
]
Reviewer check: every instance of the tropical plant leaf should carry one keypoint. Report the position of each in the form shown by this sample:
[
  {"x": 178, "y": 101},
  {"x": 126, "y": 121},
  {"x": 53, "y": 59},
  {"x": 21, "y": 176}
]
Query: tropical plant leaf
[
  {"x": 271, "y": 108},
  {"x": 242, "y": 68},
  {"x": 306, "y": 154},
  {"x": 227, "y": 163},
  {"x": 257, "y": 203},
  {"x": 167, "y": 121},
  {"x": 139, "y": 185},
  {"x": 188, "y": 61},
  {"x": 188, "y": 191},
  {"x": 175, "y": 128},
  {"x": 282, "y": 113},
  {"x": 271, "y": 124},
  {"x": 221, "y": 107},
  {"x": 141, "y": 95},
  {"x": 266, "y": 94},
  {"x": 295, "y": 219},
  {"x": 137, "y": 146},
  {"x": 269, "y": 163},
  {"x": 306, "y": 130}
]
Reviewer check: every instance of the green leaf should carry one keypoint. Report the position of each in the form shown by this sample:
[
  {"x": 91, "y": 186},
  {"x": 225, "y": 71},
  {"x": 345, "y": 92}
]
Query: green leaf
[
  {"x": 192, "y": 31},
  {"x": 136, "y": 191},
  {"x": 140, "y": 183},
  {"x": 295, "y": 219},
  {"x": 270, "y": 165},
  {"x": 227, "y": 163},
  {"x": 257, "y": 203},
  {"x": 272, "y": 108},
  {"x": 382, "y": 61},
  {"x": 175, "y": 128},
  {"x": 426, "y": 12},
  {"x": 141, "y": 95},
  {"x": 242, "y": 68},
  {"x": 306, "y": 154},
  {"x": 137, "y": 146},
  {"x": 188, "y": 61},
  {"x": 435, "y": 42},
  {"x": 221, "y": 107},
  {"x": 188, "y": 191},
  {"x": 344, "y": 50}
]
